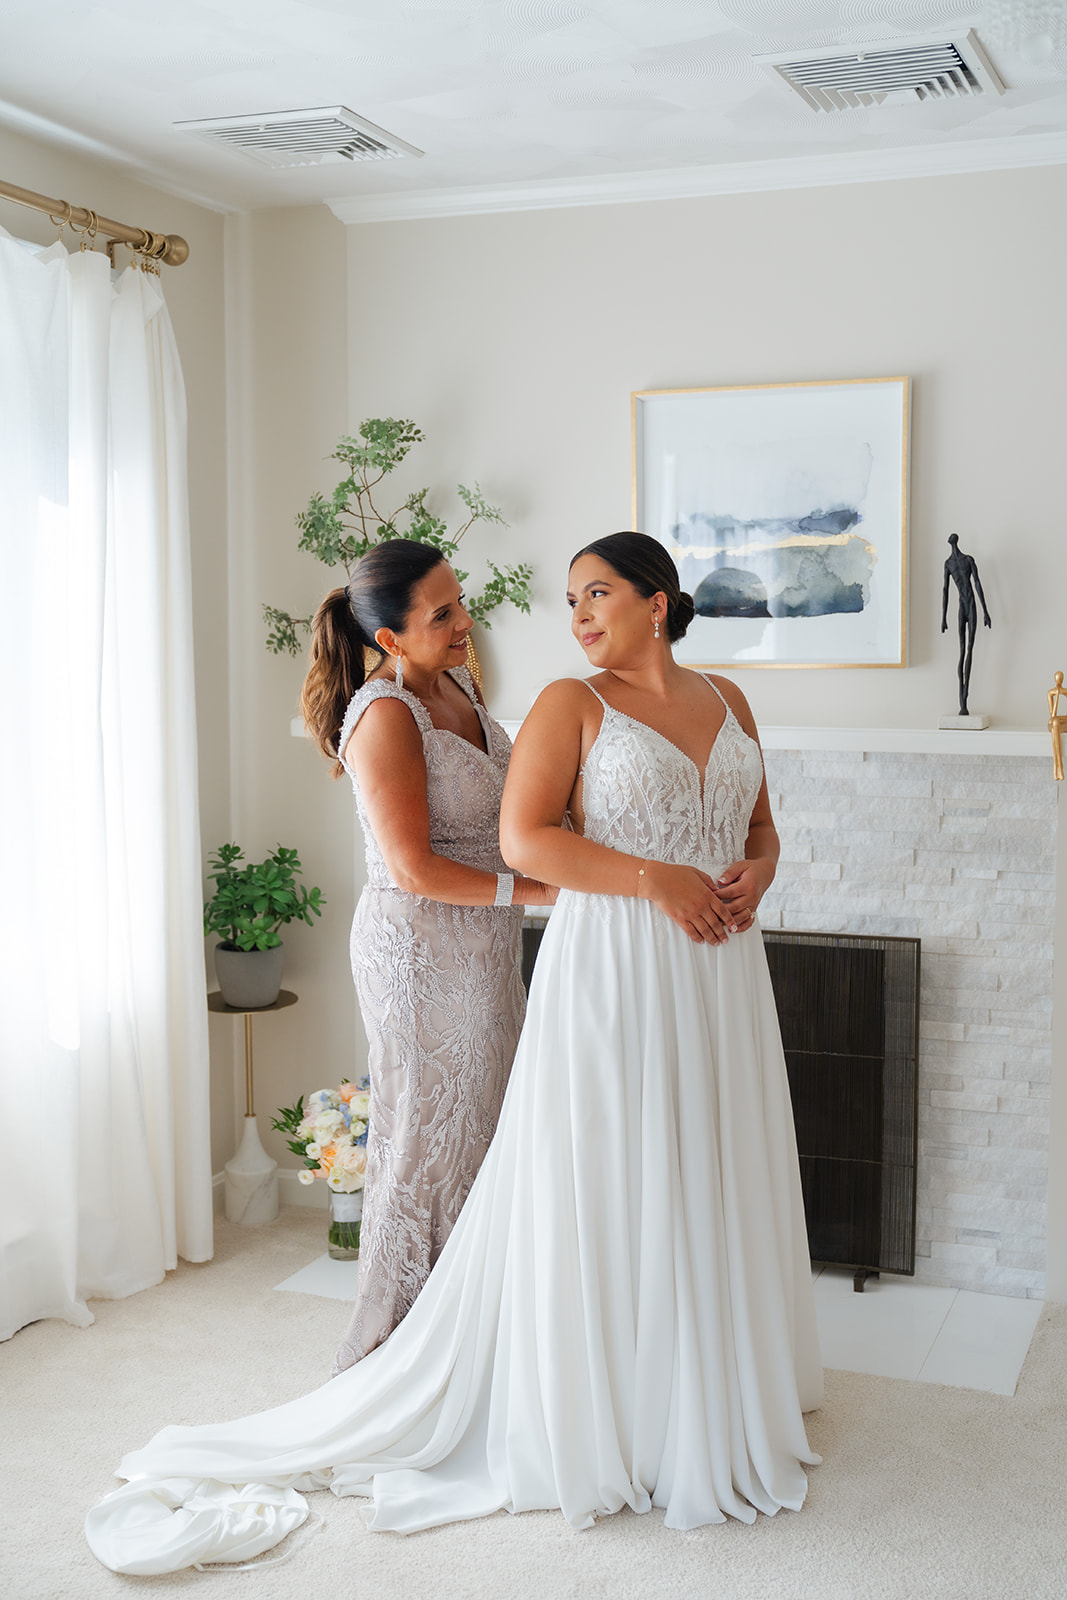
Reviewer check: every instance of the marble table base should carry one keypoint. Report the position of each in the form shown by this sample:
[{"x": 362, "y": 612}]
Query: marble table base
[
  {"x": 976, "y": 719},
  {"x": 251, "y": 1181}
]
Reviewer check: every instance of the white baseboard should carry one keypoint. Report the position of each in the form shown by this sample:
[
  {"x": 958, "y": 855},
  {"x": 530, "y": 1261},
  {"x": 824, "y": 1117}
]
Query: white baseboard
[{"x": 291, "y": 1192}]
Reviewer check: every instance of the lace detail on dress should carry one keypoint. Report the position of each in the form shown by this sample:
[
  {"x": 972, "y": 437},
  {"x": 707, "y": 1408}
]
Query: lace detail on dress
[
  {"x": 441, "y": 995},
  {"x": 464, "y": 784},
  {"x": 645, "y": 797}
]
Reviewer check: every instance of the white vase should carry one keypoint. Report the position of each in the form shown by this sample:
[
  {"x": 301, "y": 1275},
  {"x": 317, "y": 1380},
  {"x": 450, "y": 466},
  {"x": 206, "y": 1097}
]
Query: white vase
[{"x": 251, "y": 1181}]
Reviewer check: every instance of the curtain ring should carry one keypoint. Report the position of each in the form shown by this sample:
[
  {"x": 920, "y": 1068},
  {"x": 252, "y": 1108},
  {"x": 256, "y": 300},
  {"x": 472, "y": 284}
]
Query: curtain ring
[
  {"x": 149, "y": 250},
  {"x": 89, "y": 232},
  {"x": 90, "y": 229},
  {"x": 61, "y": 222}
]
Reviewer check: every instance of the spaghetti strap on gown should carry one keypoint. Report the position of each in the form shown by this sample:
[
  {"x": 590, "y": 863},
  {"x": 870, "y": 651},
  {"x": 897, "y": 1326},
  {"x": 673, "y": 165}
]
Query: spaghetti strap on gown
[{"x": 623, "y": 1314}]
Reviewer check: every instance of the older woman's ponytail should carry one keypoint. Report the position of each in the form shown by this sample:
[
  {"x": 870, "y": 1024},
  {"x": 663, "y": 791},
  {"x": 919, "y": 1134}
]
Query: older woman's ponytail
[
  {"x": 336, "y": 670},
  {"x": 379, "y": 595}
]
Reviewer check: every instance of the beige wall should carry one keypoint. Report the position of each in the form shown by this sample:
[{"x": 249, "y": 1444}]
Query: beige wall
[
  {"x": 287, "y": 360},
  {"x": 516, "y": 340},
  {"x": 195, "y": 297}
]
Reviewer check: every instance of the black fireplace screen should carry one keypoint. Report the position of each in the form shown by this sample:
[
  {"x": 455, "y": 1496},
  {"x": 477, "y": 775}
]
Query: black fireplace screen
[{"x": 848, "y": 1007}]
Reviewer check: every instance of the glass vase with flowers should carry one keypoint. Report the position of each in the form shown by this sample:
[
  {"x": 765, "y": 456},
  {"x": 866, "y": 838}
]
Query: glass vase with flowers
[{"x": 330, "y": 1137}]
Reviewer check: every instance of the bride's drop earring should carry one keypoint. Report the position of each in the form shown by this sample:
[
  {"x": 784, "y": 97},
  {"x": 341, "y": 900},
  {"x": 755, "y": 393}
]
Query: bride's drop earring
[
  {"x": 399, "y": 672},
  {"x": 656, "y": 621}
]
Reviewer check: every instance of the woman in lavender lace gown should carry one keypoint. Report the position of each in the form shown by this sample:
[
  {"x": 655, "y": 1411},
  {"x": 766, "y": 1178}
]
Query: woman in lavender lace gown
[
  {"x": 436, "y": 937},
  {"x": 623, "y": 1313}
]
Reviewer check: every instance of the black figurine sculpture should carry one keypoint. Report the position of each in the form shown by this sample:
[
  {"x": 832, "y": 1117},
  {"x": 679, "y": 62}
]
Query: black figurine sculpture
[{"x": 963, "y": 571}]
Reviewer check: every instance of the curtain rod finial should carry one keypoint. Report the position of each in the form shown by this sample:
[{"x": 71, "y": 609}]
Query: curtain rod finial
[{"x": 177, "y": 250}]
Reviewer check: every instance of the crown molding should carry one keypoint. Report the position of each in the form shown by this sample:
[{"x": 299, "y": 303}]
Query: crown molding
[
  {"x": 691, "y": 183},
  {"x": 30, "y": 125}
]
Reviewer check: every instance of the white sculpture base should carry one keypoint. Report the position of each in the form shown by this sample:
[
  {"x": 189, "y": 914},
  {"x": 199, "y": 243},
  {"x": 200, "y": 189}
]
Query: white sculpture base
[
  {"x": 251, "y": 1181},
  {"x": 975, "y": 720}
]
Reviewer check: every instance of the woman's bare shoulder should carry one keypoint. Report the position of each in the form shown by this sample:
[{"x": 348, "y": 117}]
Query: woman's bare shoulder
[
  {"x": 388, "y": 707},
  {"x": 386, "y": 718},
  {"x": 558, "y": 715},
  {"x": 564, "y": 692}
]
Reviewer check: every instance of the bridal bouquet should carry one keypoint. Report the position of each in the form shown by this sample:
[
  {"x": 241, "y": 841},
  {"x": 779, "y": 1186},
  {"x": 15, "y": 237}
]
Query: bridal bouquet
[{"x": 330, "y": 1135}]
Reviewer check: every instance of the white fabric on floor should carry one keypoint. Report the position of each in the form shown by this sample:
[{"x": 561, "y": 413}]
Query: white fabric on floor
[
  {"x": 102, "y": 1021},
  {"x": 623, "y": 1314}
]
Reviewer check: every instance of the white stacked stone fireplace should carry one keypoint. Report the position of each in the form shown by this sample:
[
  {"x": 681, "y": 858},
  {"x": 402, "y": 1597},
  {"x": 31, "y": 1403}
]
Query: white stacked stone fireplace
[{"x": 950, "y": 838}]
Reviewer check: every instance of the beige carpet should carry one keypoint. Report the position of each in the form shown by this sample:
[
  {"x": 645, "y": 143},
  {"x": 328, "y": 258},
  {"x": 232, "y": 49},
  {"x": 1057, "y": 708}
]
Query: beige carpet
[{"x": 924, "y": 1492}]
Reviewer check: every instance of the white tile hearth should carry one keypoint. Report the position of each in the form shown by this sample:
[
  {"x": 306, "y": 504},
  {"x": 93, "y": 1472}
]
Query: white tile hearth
[
  {"x": 901, "y": 1329},
  {"x": 983, "y": 1342},
  {"x": 888, "y": 1330},
  {"x": 334, "y": 1280}
]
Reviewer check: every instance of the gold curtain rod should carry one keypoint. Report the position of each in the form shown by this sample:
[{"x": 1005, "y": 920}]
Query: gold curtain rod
[{"x": 168, "y": 247}]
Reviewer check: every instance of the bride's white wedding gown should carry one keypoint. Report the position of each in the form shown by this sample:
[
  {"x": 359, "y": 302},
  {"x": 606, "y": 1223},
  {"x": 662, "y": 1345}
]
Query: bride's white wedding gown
[{"x": 623, "y": 1314}]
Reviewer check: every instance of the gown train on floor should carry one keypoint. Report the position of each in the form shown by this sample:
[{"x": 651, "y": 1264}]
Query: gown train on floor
[{"x": 623, "y": 1314}]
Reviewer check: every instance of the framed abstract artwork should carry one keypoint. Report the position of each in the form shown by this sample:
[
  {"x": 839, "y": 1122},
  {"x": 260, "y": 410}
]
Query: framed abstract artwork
[{"x": 785, "y": 507}]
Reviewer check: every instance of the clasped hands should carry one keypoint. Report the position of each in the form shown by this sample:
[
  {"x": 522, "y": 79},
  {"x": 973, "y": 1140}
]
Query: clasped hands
[{"x": 709, "y": 910}]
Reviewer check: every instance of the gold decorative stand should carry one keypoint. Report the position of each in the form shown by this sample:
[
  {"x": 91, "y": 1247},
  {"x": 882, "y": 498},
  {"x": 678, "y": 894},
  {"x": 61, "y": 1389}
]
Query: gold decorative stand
[
  {"x": 1057, "y": 724},
  {"x": 251, "y": 1176}
]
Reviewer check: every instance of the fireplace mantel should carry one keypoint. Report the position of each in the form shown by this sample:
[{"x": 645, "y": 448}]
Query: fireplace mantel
[
  {"x": 905, "y": 741},
  {"x": 912, "y": 741},
  {"x": 917, "y": 741}
]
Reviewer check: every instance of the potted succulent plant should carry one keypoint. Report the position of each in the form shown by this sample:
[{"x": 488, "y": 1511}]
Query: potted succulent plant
[
  {"x": 340, "y": 528},
  {"x": 249, "y": 905}
]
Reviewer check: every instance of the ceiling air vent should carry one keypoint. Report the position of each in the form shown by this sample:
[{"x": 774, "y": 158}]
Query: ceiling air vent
[
  {"x": 303, "y": 138},
  {"x": 904, "y": 72}
]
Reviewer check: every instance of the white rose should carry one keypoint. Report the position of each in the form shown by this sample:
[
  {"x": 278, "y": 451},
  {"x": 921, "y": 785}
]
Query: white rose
[
  {"x": 305, "y": 1175},
  {"x": 359, "y": 1105},
  {"x": 312, "y": 1151},
  {"x": 358, "y": 1129},
  {"x": 354, "y": 1160},
  {"x": 342, "y": 1182}
]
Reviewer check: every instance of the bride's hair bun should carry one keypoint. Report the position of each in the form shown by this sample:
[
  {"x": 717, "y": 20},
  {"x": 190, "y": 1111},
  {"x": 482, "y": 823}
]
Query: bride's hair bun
[{"x": 680, "y": 615}]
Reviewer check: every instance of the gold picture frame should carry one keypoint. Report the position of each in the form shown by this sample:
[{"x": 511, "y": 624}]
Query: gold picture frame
[{"x": 785, "y": 507}]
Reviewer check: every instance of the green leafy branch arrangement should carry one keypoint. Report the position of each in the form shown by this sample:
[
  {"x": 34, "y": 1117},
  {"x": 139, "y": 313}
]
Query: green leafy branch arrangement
[
  {"x": 288, "y": 1120},
  {"x": 251, "y": 903},
  {"x": 342, "y": 527}
]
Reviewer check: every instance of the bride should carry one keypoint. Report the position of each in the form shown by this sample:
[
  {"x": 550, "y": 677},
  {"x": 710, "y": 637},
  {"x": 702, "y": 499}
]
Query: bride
[{"x": 623, "y": 1313}]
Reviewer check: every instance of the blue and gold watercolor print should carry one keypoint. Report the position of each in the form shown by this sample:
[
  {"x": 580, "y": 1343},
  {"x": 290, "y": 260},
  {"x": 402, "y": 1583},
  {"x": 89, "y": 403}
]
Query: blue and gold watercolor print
[{"x": 809, "y": 560}]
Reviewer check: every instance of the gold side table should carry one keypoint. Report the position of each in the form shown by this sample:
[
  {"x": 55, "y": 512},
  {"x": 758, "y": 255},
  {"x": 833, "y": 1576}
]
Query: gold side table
[{"x": 251, "y": 1176}]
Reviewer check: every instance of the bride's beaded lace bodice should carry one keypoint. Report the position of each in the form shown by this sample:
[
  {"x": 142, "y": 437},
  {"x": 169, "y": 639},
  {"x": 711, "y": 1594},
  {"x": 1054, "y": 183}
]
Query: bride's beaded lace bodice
[{"x": 644, "y": 796}]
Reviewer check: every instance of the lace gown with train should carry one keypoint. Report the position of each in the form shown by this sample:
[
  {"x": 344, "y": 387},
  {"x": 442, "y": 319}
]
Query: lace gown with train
[
  {"x": 623, "y": 1314},
  {"x": 440, "y": 991}
]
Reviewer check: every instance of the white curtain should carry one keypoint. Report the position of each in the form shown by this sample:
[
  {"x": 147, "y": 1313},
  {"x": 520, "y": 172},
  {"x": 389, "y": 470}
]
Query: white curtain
[{"x": 105, "y": 1172}]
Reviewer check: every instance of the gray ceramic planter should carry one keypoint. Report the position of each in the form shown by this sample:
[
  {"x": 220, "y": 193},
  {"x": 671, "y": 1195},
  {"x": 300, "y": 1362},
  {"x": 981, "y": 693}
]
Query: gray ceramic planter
[{"x": 249, "y": 979}]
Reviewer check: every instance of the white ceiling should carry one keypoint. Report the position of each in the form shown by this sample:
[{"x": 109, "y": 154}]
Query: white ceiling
[{"x": 504, "y": 92}]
